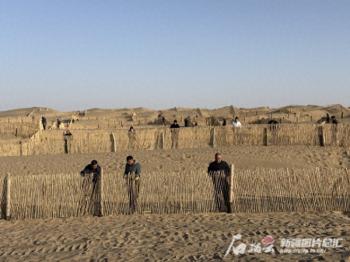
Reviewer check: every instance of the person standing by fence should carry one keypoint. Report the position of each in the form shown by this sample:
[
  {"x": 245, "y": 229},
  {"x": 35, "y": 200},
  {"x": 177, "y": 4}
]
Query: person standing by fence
[
  {"x": 132, "y": 138},
  {"x": 90, "y": 200},
  {"x": 175, "y": 129},
  {"x": 44, "y": 122},
  {"x": 68, "y": 137},
  {"x": 236, "y": 123},
  {"x": 132, "y": 178},
  {"x": 220, "y": 171},
  {"x": 334, "y": 130},
  {"x": 58, "y": 123}
]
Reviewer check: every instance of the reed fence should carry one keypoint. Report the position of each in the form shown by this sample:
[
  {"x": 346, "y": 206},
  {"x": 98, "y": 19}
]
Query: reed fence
[
  {"x": 117, "y": 140},
  {"x": 258, "y": 190}
]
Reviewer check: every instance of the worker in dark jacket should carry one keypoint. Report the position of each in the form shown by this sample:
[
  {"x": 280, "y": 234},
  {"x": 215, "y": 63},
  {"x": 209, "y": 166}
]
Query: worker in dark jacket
[
  {"x": 92, "y": 169},
  {"x": 175, "y": 124},
  {"x": 90, "y": 200},
  {"x": 132, "y": 177},
  {"x": 44, "y": 122},
  {"x": 220, "y": 171}
]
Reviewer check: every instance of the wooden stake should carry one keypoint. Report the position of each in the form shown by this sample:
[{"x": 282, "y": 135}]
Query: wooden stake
[
  {"x": 212, "y": 138},
  {"x": 114, "y": 143},
  {"x": 162, "y": 140},
  {"x": 265, "y": 136},
  {"x": 231, "y": 197},
  {"x": 20, "y": 148},
  {"x": 334, "y": 130},
  {"x": 8, "y": 197},
  {"x": 100, "y": 191},
  {"x": 321, "y": 136}
]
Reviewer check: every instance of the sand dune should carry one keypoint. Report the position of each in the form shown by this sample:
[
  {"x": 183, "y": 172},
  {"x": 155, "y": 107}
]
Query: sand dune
[{"x": 144, "y": 115}]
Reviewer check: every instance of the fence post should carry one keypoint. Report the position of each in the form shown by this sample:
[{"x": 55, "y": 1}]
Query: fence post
[
  {"x": 334, "y": 135},
  {"x": 231, "y": 197},
  {"x": 321, "y": 136},
  {"x": 20, "y": 148},
  {"x": 114, "y": 144},
  {"x": 8, "y": 197},
  {"x": 162, "y": 140},
  {"x": 265, "y": 136},
  {"x": 100, "y": 191},
  {"x": 212, "y": 137}
]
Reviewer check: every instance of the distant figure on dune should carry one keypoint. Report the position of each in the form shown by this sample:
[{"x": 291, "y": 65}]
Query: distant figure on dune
[
  {"x": 175, "y": 124},
  {"x": 132, "y": 137},
  {"x": 236, "y": 123},
  {"x": 90, "y": 204},
  {"x": 44, "y": 122},
  {"x": 273, "y": 126},
  {"x": 58, "y": 123},
  {"x": 133, "y": 117},
  {"x": 334, "y": 120},
  {"x": 161, "y": 119},
  {"x": 219, "y": 171},
  {"x": 327, "y": 120},
  {"x": 174, "y": 135},
  {"x": 187, "y": 122},
  {"x": 273, "y": 122},
  {"x": 132, "y": 177},
  {"x": 68, "y": 137}
]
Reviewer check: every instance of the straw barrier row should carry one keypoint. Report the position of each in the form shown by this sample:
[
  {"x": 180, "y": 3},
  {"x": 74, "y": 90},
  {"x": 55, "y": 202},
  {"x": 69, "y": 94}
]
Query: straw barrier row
[
  {"x": 99, "y": 141},
  {"x": 260, "y": 190},
  {"x": 21, "y": 130},
  {"x": 266, "y": 190}
]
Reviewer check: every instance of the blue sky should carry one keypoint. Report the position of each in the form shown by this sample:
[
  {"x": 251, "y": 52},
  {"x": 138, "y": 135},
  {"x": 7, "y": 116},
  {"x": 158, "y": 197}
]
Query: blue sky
[{"x": 161, "y": 53}]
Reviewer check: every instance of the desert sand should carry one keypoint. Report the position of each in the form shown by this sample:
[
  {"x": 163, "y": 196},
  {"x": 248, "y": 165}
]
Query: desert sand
[
  {"x": 173, "y": 237},
  {"x": 189, "y": 237},
  {"x": 201, "y": 237},
  {"x": 243, "y": 157}
]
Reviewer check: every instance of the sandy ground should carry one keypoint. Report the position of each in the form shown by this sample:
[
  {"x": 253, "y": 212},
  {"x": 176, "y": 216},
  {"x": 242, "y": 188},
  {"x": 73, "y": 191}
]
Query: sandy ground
[
  {"x": 190, "y": 237},
  {"x": 243, "y": 157},
  {"x": 203, "y": 237}
]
